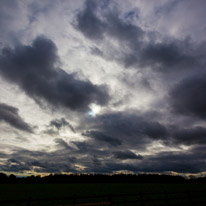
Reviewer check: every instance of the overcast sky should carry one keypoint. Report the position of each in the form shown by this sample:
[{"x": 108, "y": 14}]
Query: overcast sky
[{"x": 102, "y": 86}]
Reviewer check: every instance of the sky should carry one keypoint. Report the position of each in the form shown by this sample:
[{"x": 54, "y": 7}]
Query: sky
[{"x": 102, "y": 86}]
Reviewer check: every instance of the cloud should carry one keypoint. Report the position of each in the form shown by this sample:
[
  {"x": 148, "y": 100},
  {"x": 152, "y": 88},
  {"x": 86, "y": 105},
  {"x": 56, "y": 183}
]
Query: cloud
[
  {"x": 88, "y": 23},
  {"x": 136, "y": 130},
  {"x": 13, "y": 18},
  {"x": 187, "y": 97},
  {"x": 99, "y": 21},
  {"x": 190, "y": 136},
  {"x": 134, "y": 46},
  {"x": 60, "y": 142},
  {"x": 182, "y": 162},
  {"x": 65, "y": 158},
  {"x": 125, "y": 155},
  {"x": 3, "y": 155},
  {"x": 89, "y": 147},
  {"x": 60, "y": 123},
  {"x": 191, "y": 161},
  {"x": 133, "y": 125},
  {"x": 157, "y": 85},
  {"x": 34, "y": 69},
  {"x": 167, "y": 55},
  {"x": 122, "y": 131},
  {"x": 39, "y": 161},
  {"x": 10, "y": 115},
  {"x": 96, "y": 51},
  {"x": 102, "y": 137}
]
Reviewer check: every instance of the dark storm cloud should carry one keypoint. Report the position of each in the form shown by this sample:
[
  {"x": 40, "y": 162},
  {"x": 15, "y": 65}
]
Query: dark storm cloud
[
  {"x": 111, "y": 141},
  {"x": 167, "y": 56},
  {"x": 3, "y": 155},
  {"x": 90, "y": 148},
  {"x": 98, "y": 22},
  {"x": 39, "y": 161},
  {"x": 60, "y": 123},
  {"x": 190, "y": 136},
  {"x": 34, "y": 69},
  {"x": 124, "y": 130},
  {"x": 135, "y": 131},
  {"x": 11, "y": 116},
  {"x": 191, "y": 161},
  {"x": 131, "y": 125},
  {"x": 199, "y": 150},
  {"x": 102, "y": 137},
  {"x": 108, "y": 161},
  {"x": 63, "y": 159},
  {"x": 88, "y": 21},
  {"x": 124, "y": 155},
  {"x": 188, "y": 96},
  {"x": 60, "y": 142},
  {"x": 182, "y": 162}
]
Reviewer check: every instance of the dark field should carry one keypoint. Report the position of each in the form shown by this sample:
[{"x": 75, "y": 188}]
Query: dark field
[{"x": 38, "y": 191}]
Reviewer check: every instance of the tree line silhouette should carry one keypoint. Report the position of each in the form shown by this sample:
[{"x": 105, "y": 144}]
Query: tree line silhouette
[{"x": 101, "y": 178}]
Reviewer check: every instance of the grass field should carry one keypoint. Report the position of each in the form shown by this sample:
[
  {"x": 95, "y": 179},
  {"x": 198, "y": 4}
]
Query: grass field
[{"x": 36, "y": 191}]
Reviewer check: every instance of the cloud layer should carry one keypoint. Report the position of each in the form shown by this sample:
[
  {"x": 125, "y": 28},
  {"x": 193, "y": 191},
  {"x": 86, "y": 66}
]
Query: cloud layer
[
  {"x": 136, "y": 47},
  {"x": 120, "y": 85},
  {"x": 11, "y": 116},
  {"x": 34, "y": 69}
]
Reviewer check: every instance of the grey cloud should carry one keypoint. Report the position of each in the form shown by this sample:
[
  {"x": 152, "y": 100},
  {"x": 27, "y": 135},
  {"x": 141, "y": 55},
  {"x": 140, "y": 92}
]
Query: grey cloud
[
  {"x": 168, "y": 56},
  {"x": 136, "y": 81},
  {"x": 88, "y": 23},
  {"x": 3, "y": 155},
  {"x": 96, "y": 51},
  {"x": 34, "y": 69},
  {"x": 60, "y": 142},
  {"x": 94, "y": 160},
  {"x": 39, "y": 161},
  {"x": 124, "y": 155},
  {"x": 187, "y": 97},
  {"x": 131, "y": 125},
  {"x": 136, "y": 131},
  {"x": 90, "y": 148},
  {"x": 63, "y": 159},
  {"x": 123, "y": 31},
  {"x": 10, "y": 115},
  {"x": 182, "y": 162},
  {"x": 191, "y": 161},
  {"x": 59, "y": 123},
  {"x": 103, "y": 137},
  {"x": 187, "y": 17},
  {"x": 163, "y": 55},
  {"x": 199, "y": 150},
  {"x": 94, "y": 27},
  {"x": 125, "y": 130},
  {"x": 112, "y": 140},
  {"x": 111, "y": 167},
  {"x": 12, "y": 20},
  {"x": 190, "y": 136}
]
